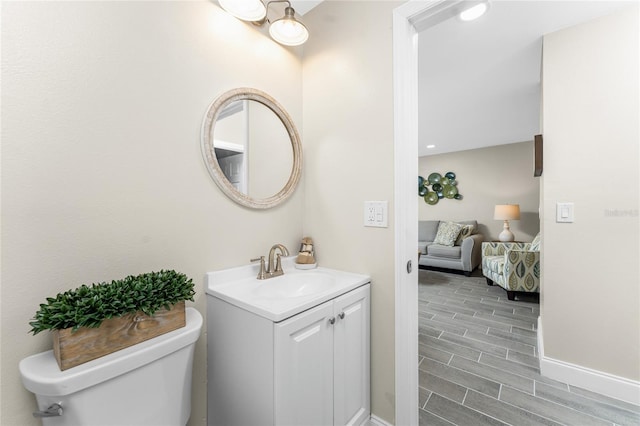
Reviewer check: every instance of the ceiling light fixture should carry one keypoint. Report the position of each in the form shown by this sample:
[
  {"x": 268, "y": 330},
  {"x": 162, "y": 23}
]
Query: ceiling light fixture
[
  {"x": 286, "y": 30},
  {"x": 474, "y": 12},
  {"x": 246, "y": 10}
]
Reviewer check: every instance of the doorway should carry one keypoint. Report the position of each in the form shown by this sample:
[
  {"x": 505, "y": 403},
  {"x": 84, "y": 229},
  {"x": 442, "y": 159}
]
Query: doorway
[{"x": 408, "y": 21}]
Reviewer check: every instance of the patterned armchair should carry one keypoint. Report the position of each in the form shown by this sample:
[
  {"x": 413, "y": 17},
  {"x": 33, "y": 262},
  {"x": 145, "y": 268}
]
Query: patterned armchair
[{"x": 513, "y": 266}]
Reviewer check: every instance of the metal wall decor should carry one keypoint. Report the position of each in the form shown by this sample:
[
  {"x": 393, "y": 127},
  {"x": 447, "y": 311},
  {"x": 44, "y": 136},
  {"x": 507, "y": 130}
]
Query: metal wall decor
[{"x": 436, "y": 187}]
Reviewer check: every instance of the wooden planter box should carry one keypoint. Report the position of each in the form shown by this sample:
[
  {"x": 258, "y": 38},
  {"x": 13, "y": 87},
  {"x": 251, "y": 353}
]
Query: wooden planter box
[{"x": 73, "y": 348}]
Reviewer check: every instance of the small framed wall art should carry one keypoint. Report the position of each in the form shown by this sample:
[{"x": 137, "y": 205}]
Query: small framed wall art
[{"x": 537, "y": 155}]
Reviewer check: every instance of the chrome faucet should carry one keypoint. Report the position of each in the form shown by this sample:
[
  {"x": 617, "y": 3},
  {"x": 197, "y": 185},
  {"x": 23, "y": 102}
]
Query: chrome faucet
[{"x": 272, "y": 269}]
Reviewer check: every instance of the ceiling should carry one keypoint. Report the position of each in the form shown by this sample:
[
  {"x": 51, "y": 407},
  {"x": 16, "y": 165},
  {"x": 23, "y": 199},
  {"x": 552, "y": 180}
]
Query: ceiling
[
  {"x": 303, "y": 6},
  {"x": 479, "y": 81}
]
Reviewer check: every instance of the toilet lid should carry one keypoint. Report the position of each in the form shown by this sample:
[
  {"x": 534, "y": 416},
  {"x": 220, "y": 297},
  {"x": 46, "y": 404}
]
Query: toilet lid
[{"x": 42, "y": 376}]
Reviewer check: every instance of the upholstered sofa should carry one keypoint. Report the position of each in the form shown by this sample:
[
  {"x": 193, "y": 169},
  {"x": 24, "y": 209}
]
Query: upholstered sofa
[
  {"x": 463, "y": 254},
  {"x": 513, "y": 266}
]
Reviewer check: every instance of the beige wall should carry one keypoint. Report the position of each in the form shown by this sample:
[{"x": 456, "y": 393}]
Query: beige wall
[
  {"x": 488, "y": 176},
  {"x": 348, "y": 125},
  {"x": 268, "y": 140},
  {"x": 102, "y": 174},
  {"x": 590, "y": 290}
]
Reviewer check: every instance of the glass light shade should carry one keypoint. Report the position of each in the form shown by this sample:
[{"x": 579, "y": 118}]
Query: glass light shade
[
  {"x": 287, "y": 30},
  {"x": 247, "y": 10},
  {"x": 507, "y": 212},
  {"x": 474, "y": 12}
]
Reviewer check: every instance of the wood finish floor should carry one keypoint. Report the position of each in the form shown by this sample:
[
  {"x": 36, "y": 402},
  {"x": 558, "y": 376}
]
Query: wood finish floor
[{"x": 478, "y": 362}]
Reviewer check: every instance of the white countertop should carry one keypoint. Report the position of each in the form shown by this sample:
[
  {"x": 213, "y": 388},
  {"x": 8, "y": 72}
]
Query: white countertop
[{"x": 280, "y": 297}]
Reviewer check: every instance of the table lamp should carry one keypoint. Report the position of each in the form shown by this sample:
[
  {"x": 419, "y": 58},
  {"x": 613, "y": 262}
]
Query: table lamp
[{"x": 506, "y": 212}]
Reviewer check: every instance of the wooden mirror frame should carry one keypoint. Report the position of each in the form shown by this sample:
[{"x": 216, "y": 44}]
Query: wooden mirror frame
[{"x": 211, "y": 161}]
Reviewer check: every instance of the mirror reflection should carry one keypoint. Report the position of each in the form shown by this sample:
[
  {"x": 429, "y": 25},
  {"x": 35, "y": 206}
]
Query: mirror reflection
[{"x": 251, "y": 148}]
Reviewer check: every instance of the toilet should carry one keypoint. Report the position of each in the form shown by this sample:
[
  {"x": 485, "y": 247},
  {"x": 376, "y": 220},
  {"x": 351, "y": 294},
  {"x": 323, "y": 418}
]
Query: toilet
[{"x": 147, "y": 384}]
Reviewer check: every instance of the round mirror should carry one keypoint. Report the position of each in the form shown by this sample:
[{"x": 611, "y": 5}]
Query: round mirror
[{"x": 251, "y": 148}]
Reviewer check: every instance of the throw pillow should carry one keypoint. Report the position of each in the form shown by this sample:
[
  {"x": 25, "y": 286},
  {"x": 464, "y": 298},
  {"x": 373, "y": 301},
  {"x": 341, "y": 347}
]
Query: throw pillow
[
  {"x": 447, "y": 233},
  {"x": 464, "y": 233},
  {"x": 535, "y": 244}
]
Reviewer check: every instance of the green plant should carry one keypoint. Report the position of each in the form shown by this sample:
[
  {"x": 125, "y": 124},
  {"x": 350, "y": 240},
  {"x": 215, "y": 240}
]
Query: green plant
[{"x": 88, "y": 306}]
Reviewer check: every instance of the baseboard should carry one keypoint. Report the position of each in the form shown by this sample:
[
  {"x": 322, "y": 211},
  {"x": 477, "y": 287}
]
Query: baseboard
[
  {"x": 377, "y": 421},
  {"x": 586, "y": 378},
  {"x": 540, "y": 339}
]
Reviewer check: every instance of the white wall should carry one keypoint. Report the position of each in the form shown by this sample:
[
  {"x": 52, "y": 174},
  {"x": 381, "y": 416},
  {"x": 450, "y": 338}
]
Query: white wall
[
  {"x": 102, "y": 174},
  {"x": 501, "y": 174},
  {"x": 348, "y": 125},
  {"x": 590, "y": 290}
]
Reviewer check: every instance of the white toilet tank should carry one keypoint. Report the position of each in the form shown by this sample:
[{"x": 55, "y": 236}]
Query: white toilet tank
[{"x": 148, "y": 384}]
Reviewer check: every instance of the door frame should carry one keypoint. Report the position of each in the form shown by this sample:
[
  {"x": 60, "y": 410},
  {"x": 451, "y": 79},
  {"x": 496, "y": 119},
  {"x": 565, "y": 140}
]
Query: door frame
[{"x": 408, "y": 20}]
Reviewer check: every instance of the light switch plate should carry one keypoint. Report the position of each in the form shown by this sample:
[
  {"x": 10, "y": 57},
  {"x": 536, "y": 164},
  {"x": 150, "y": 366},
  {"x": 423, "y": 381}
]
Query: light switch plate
[
  {"x": 375, "y": 214},
  {"x": 564, "y": 213}
]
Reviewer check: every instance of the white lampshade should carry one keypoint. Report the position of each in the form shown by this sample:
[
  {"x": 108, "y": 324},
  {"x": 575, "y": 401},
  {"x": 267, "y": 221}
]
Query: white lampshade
[
  {"x": 247, "y": 10},
  {"x": 507, "y": 212},
  {"x": 288, "y": 30}
]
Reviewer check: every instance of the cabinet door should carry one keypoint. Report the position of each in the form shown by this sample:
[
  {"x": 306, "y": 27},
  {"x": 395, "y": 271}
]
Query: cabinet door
[
  {"x": 351, "y": 357},
  {"x": 304, "y": 368}
]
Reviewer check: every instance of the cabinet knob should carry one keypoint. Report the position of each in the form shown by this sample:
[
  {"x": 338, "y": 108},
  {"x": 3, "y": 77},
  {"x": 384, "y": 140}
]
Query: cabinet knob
[
  {"x": 341, "y": 315},
  {"x": 332, "y": 320}
]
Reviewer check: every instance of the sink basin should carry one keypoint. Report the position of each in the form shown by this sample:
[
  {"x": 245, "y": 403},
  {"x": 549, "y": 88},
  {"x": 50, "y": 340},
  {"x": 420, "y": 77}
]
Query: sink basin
[
  {"x": 280, "y": 297},
  {"x": 295, "y": 285}
]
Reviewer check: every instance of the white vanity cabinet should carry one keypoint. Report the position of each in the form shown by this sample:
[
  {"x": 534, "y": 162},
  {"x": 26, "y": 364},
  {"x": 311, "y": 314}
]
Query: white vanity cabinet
[
  {"x": 310, "y": 369},
  {"x": 322, "y": 363}
]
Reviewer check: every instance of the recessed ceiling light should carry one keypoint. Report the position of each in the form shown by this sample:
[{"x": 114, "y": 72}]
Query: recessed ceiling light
[
  {"x": 430, "y": 146},
  {"x": 474, "y": 12}
]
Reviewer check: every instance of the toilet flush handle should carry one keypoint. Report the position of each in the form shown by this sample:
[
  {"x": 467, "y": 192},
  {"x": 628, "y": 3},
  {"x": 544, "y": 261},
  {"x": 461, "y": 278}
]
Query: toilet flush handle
[{"x": 54, "y": 410}]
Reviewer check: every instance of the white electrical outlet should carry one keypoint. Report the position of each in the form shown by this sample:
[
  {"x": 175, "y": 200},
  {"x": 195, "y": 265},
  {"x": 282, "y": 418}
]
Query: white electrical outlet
[{"x": 375, "y": 214}]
